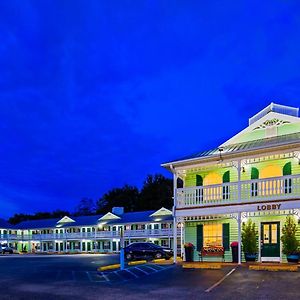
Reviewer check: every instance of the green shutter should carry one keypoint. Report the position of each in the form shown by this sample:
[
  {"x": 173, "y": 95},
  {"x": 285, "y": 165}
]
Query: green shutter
[
  {"x": 226, "y": 177},
  {"x": 254, "y": 173},
  {"x": 199, "y": 237},
  {"x": 287, "y": 169},
  {"x": 226, "y": 236},
  {"x": 199, "y": 180}
]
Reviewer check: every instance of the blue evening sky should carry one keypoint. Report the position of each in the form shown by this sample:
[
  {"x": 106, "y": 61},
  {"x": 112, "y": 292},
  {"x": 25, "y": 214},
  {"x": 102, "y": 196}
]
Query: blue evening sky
[{"x": 96, "y": 94}]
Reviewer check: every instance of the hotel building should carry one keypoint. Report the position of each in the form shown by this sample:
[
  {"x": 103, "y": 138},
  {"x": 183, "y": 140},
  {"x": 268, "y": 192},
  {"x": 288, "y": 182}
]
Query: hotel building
[{"x": 255, "y": 174}]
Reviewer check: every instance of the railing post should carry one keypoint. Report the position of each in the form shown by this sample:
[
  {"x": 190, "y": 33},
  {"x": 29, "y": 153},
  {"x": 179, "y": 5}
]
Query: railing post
[{"x": 239, "y": 169}]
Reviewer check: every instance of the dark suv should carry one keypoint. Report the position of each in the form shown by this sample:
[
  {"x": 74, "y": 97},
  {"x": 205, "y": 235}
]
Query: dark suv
[
  {"x": 6, "y": 249},
  {"x": 147, "y": 250}
]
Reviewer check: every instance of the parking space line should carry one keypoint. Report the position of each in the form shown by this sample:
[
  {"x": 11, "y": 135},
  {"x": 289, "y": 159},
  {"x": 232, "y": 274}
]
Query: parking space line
[
  {"x": 105, "y": 277},
  {"x": 142, "y": 271},
  {"x": 131, "y": 273},
  {"x": 219, "y": 282},
  {"x": 160, "y": 267},
  {"x": 153, "y": 269},
  {"x": 89, "y": 276}
]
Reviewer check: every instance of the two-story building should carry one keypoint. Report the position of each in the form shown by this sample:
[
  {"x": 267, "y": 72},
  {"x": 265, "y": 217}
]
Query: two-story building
[
  {"x": 96, "y": 233},
  {"x": 255, "y": 174}
]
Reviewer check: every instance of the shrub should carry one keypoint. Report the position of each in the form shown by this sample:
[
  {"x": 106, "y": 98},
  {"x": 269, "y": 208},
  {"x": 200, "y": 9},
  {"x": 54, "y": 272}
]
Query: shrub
[
  {"x": 249, "y": 234},
  {"x": 290, "y": 243}
]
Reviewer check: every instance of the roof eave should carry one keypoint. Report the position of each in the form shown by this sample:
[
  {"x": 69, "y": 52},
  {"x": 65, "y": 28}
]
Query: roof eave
[{"x": 215, "y": 157}]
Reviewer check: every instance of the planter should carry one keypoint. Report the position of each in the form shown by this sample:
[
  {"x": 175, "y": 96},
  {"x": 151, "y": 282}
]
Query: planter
[
  {"x": 189, "y": 254},
  {"x": 293, "y": 258},
  {"x": 250, "y": 257}
]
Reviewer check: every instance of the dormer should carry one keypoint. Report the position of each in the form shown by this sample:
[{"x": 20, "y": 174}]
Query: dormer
[
  {"x": 64, "y": 220},
  {"x": 274, "y": 120}
]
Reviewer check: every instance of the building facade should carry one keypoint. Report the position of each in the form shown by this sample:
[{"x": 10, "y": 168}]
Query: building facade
[
  {"x": 255, "y": 174},
  {"x": 89, "y": 234}
]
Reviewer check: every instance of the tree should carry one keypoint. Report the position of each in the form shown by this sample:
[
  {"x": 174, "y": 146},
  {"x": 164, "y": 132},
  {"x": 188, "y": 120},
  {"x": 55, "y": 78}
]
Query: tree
[
  {"x": 86, "y": 206},
  {"x": 156, "y": 192},
  {"x": 289, "y": 240},
  {"x": 249, "y": 234},
  {"x": 17, "y": 218},
  {"x": 127, "y": 197}
]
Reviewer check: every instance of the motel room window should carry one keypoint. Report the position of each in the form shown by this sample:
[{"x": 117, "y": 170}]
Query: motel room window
[
  {"x": 286, "y": 171},
  {"x": 212, "y": 235}
]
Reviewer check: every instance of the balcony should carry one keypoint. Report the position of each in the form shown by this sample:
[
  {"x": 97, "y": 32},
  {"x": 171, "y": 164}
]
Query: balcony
[
  {"x": 143, "y": 233},
  {"x": 275, "y": 188}
]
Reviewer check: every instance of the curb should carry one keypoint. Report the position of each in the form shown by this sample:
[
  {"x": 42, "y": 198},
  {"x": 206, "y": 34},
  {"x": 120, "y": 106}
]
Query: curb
[
  {"x": 278, "y": 268},
  {"x": 157, "y": 261},
  {"x": 137, "y": 262},
  {"x": 109, "y": 267},
  {"x": 210, "y": 266}
]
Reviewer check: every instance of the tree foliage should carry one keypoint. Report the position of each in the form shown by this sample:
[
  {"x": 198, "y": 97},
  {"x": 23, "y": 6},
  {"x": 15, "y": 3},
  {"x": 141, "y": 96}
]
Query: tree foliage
[
  {"x": 249, "y": 234},
  {"x": 17, "y": 218},
  {"x": 289, "y": 240},
  {"x": 156, "y": 192},
  {"x": 127, "y": 197},
  {"x": 85, "y": 207}
]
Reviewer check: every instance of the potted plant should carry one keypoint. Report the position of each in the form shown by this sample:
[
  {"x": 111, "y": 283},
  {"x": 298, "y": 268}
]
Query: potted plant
[
  {"x": 189, "y": 251},
  {"x": 249, "y": 234},
  {"x": 290, "y": 243}
]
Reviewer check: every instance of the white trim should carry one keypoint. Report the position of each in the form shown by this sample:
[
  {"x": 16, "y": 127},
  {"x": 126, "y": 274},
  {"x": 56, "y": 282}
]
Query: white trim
[
  {"x": 109, "y": 216},
  {"x": 285, "y": 205},
  {"x": 268, "y": 116},
  {"x": 270, "y": 259},
  {"x": 65, "y": 219},
  {"x": 161, "y": 212}
]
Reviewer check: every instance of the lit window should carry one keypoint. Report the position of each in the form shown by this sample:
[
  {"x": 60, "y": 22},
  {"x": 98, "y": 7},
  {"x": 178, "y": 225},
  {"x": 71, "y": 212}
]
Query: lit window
[{"x": 212, "y": 235}]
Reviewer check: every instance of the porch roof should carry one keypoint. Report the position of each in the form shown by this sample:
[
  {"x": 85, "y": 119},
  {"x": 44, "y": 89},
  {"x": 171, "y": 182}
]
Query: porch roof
[{"x": 240, "y": 147}]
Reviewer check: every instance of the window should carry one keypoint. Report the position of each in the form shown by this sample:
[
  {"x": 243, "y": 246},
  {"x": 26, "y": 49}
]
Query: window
[
  {"x": 164, "y": 243},
  {"x": 212, "y": 235},
  {"x": 213, "y": 192}
]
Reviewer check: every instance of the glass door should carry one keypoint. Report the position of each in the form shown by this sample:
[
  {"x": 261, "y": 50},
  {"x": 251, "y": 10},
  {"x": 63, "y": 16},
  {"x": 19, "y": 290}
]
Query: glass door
[{"x": 270, "y": 239}]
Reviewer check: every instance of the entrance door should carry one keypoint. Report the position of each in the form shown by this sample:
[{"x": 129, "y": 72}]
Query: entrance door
[{"x": 270, "y": 241}]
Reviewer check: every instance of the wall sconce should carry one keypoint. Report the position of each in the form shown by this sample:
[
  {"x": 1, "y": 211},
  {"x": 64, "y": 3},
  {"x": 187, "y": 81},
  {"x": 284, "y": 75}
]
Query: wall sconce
[{"x": 243, "y": 169}]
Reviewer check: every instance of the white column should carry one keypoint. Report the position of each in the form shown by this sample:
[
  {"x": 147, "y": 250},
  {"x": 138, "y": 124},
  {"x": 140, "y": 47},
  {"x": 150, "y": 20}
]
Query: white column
[
  {"x": 174, "y": 217},
  {"x": 181, "y": 239},
  {"x": 239, "y": 220}
]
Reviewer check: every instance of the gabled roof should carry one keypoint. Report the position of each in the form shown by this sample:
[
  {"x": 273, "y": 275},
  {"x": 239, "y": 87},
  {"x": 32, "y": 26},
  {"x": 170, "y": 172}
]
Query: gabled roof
[
  {"x": 52, "y": 223},
  {"x": 109, "y": 216},
  {"x": 276, "y": 125},
  {"x": 161, "y": 212},
  {"x": 241, "y": 147},
  {"x": 5, "y": 225},
  {"x": 66, "y": 219},
  {"x": 126, "y": 218}
]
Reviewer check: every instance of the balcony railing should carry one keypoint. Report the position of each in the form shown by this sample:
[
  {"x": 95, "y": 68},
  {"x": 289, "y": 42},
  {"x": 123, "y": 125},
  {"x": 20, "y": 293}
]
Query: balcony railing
[
  {"x": 88, "y": 235},
  {"x": 275, "y": 188}
]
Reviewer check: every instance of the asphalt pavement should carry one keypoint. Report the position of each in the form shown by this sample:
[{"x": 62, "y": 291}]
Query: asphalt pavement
[{"x": 75, "y": 276}]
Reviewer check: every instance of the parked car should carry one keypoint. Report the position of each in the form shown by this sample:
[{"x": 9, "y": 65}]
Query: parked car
[
  {"x": 6, "y": 249},
  {"x": 147, "y": 250}
]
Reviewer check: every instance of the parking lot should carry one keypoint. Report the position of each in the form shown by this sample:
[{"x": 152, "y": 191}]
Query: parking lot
[{"x": 66, "y": 277}]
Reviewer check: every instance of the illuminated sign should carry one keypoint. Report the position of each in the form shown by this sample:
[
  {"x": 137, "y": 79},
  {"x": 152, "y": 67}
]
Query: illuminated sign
[{"x": 268, "y": 207}]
